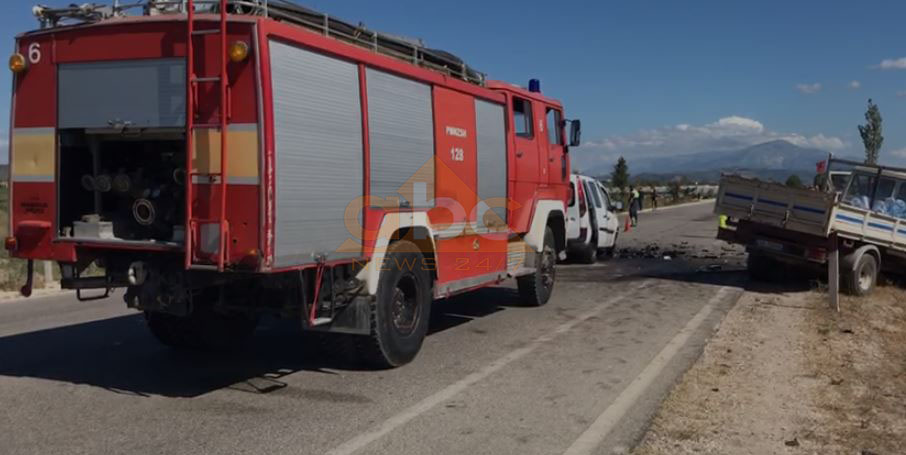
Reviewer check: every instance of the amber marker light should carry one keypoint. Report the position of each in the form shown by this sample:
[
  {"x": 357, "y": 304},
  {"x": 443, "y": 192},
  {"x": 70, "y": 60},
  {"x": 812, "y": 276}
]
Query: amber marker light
[
  {"x": 238, "y": 51},
  {"x": 17, "y": 63}
]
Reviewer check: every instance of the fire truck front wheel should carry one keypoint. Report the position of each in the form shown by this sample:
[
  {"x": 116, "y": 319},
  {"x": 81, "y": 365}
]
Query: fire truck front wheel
[
  {"x": 401, "y": 311},
  {"x": 535, "y": 289},
  {"x": 203, "y": 329}
]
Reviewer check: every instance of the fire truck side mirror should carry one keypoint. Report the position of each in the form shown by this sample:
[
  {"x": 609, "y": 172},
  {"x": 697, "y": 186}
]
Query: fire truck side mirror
[{"x": 575, "y": 133}]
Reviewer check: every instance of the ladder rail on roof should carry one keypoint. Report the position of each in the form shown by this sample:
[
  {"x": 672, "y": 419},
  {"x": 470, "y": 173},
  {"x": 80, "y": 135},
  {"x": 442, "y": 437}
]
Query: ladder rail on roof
[{"x": 412, "y": 51}]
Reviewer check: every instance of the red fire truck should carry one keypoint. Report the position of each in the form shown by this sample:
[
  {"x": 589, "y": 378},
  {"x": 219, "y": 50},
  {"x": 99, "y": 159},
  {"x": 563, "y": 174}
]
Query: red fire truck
[{"x": 225, "y": 159}]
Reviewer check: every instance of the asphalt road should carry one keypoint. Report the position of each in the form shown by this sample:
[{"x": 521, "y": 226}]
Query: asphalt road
[{"x": 581, "y": 375}]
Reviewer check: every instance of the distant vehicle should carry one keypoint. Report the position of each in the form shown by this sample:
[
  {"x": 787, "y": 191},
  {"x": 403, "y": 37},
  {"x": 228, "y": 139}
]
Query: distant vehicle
[
  {"x": 862, "y": 215},
  {"x": 592, "y": 227}
]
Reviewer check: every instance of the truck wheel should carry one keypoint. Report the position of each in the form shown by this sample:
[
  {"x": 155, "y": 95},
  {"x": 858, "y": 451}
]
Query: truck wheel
[
  {"x": 401, "y": 311},
  {"x": 862, "y": 280},
  {"x": 535, "y": 289},
  {"x": 762, "y": 268},
  {"x": 204, "y": 329}
]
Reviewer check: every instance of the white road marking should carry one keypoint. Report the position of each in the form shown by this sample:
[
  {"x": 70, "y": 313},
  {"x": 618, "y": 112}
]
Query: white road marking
[
  {"x": 601, "y": 427},
  {"x": 361, "y": 441}
]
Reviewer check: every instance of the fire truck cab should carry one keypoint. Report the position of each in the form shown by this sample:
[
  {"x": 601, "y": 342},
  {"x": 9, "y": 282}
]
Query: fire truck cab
[{"x": 231, "y": 158}]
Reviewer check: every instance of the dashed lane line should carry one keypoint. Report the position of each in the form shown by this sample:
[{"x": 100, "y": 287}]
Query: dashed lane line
[
  {"x": 589, "y": 440},
  {"x": 361, "y": 441}
]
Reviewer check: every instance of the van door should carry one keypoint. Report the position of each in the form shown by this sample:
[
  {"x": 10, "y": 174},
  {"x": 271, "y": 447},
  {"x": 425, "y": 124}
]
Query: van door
[
  {"x": 611, "y": 223},
  {"x": 594, "y": 210},
  {"x": 601, "y": 213},
  {"x": 572, "y": 211}
]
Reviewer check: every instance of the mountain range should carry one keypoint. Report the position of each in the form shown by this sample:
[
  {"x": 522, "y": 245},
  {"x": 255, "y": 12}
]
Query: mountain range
[{"x": 774, "y": 160}]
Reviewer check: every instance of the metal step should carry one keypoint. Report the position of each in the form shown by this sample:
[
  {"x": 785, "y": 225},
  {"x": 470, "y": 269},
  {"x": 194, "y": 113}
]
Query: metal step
[
  {"x": 207, "y": 31},
  {"x": 321, "y": 321}
]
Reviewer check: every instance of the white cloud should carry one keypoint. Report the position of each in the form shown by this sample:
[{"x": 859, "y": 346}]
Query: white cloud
[
  {"x": 901, "y": 93},
  {"x": 899, "y": 153},
  {"x": 820, "y": 141},
  {"x": 728, "y": 133},
  {"x": 893, "y": 64},
  {"x": 809, "y": 89},
  {"x": 737, "y": 123},
  {"x": 855, "y": 85}
]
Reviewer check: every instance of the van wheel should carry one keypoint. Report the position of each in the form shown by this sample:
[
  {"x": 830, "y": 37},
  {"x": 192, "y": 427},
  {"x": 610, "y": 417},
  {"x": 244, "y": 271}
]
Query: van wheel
[
  {"x": 401, "y": 311},
  {"x": 203, "y": 329},
  {"x": 587, "y": 254},
  {"x": 535, "y": 289},
  {"x": 863, "y": 279},
  {"x": 611, "y": 251}
]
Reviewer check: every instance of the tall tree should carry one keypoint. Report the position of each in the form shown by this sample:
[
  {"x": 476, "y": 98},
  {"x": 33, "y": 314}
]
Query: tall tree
[
  {"x": 871, "y": 133},
  {"x": 619, "y": 178}
]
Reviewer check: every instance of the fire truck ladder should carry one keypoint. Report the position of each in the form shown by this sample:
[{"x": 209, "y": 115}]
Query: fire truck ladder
[{"x": 192, "y": 82}]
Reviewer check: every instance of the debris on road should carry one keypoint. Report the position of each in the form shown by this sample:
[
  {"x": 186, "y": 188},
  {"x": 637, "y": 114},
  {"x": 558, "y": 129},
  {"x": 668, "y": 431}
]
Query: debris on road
[{"x": 681, "y": 250}]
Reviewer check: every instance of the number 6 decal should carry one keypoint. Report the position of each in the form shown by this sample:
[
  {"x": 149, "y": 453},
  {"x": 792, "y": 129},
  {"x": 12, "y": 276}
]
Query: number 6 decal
[{"x": 34, "y": 53}]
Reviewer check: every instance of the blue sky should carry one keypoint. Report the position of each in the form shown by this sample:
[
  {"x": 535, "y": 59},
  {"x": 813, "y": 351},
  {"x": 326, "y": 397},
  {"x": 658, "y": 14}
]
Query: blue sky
[{"x": 650, "y": 78}]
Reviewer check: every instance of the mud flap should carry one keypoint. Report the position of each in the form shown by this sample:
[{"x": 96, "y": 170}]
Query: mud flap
[
  {"x": 353, "y": 319},
  {"x": 29, "y": 279}
]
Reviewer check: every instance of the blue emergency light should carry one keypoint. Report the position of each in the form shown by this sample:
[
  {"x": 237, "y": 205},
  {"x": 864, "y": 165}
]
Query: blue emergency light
[{"x": 534, "y": 85}]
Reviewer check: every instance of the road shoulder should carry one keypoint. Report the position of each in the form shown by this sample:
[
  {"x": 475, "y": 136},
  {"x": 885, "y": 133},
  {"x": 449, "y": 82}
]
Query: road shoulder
[
  {"x": 785, "y": 374},
  {"x": 16, "y": 296}
]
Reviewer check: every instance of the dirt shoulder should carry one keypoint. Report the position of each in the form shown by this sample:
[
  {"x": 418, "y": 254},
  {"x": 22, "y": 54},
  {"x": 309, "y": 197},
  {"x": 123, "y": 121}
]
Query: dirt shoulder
[{"x": 785, "y": 374}]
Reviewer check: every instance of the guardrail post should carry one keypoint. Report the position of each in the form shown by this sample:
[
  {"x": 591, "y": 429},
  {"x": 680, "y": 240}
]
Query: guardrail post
[
  {"x": 833, "y": 271},
  {"x": 48, "y": 273}
]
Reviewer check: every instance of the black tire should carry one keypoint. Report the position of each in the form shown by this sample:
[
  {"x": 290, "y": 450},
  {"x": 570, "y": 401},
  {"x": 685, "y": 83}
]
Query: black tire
[
  {"x": 204, "y": 329},
  {"x": 587, "y": 254},
  {"x": 763, "y": 268},
  {"x": 401, "y": 312},
  {"x": 535, "y": 289},
  {"x": 863, "y": 279},
  {"x": 611, "y": 251}
]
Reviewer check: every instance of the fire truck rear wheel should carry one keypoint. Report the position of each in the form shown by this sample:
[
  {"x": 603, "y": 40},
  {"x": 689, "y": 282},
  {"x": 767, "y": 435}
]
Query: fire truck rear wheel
[
  {"x": 204, "y": 329},
  {"x": 535, "y": 289},
  {"x": 401, "y": 311}
]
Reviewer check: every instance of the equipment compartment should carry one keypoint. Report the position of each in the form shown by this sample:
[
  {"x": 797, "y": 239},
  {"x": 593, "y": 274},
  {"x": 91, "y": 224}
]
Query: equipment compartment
[{"x": 134, "y": 181}]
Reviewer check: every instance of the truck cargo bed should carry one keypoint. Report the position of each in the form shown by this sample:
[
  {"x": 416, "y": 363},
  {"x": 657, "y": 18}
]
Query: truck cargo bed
[
  {"x": 818, "y": 213},
  {"x": 798, "y": 209}
]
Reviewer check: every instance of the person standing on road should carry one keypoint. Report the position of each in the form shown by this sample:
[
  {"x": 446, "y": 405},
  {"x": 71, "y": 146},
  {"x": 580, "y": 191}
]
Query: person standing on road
[
  {"x": 634, "y": 204},
  {"x": 653, "y": 197}
]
